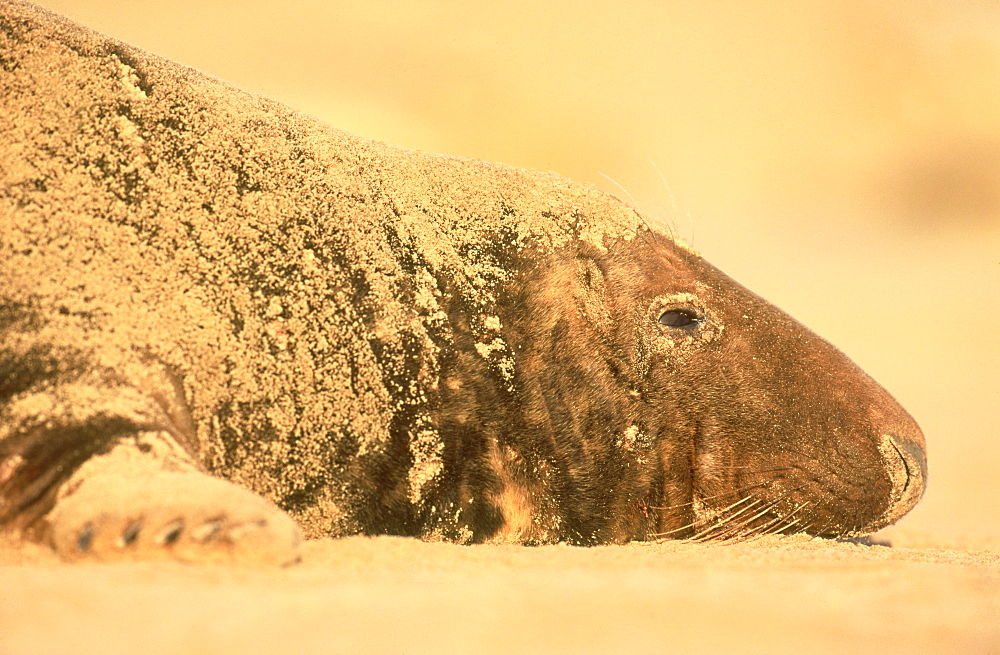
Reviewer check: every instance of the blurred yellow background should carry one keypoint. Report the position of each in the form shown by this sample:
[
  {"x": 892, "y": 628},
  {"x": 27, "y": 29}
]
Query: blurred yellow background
[{"x": 840, "y": 159}]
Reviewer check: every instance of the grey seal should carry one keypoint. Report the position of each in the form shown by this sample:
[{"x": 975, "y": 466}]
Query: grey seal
[{"x": 224, "y": 325}]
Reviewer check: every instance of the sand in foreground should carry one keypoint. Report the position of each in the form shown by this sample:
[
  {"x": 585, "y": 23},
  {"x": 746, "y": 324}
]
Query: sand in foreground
[{"x": 401, "y": 595}]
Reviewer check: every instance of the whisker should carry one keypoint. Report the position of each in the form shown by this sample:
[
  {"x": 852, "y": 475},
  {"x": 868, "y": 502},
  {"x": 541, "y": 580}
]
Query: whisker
[
  {"x": 819, "y": 506},
  {"x": 635, "y": 205},
  {"x": 750, "y": 517},
  {"x": 693, "y": 524},
  {"x": 673, "y": 199},
  {"x": 704, "y": 533},
  {"x": 804, "y": 527},
  {"x": 790, "y": 529},
  {"x": 730, "y": 530},
  {"x": 721, "y": 523},
  {"x": 735, "y": 529},
  {"x": 778, "y": 525},
  {"x": 823, "y": 528},
  {"x": 663, "y": 536},
  {"x": 733, "y": 492},
  {"x": 719, "y": 530}
]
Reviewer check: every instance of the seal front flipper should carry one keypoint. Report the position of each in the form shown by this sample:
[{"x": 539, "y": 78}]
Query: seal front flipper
[
  {"x": 97, "y": 458},
  {"x": 92, "y": 492},
  {"x": 124, "y": 505}
]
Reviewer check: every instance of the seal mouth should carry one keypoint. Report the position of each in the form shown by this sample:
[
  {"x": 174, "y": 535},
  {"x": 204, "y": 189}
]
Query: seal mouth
[{"x": 906, "y": 465}]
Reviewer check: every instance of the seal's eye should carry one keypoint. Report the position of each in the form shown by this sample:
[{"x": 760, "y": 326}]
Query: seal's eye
[{"x": 680, "y": 318}]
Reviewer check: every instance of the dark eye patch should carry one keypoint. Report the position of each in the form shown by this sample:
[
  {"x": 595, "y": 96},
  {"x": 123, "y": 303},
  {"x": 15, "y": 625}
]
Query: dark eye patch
[{"x": 680, "y": 318}]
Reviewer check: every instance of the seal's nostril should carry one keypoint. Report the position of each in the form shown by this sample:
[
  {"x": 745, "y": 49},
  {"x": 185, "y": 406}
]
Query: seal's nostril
[{"x": 907, "y": 467}]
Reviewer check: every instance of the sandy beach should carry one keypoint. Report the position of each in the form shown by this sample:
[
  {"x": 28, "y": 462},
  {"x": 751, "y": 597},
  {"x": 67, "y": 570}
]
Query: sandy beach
[{"x": 392, "y": 595}]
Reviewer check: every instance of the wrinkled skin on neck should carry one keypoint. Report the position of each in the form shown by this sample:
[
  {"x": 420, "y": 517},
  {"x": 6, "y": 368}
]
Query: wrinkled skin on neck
[{"x": 621, "y": 427}]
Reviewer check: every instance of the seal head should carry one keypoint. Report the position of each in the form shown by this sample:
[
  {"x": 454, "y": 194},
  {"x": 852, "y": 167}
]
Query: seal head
[
  {"x": 782, "y": 431},
  {"x": 658, "y": 397}
]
